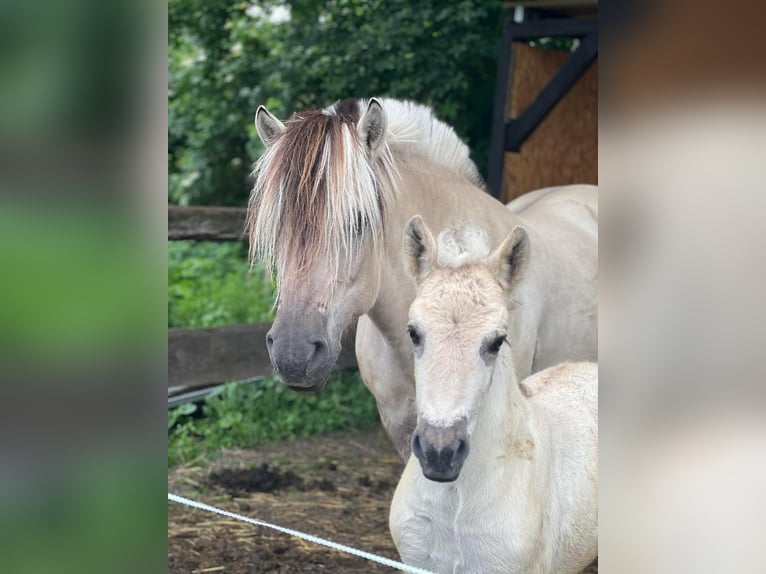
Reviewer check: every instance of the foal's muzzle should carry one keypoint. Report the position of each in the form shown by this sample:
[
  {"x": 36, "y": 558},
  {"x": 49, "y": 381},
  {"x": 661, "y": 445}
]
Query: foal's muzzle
[{"x": 441, "y": 450}]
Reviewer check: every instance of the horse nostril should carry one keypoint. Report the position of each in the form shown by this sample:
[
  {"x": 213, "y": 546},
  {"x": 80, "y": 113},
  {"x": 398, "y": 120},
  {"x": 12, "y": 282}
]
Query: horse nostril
[
  {"x": 462, "y": 449},
  {"x": 319, "y": 348},
  {"x": 318, "y": 353},
  {"x": 269, "y": 341},
  {"x": 417, "y": 448}
]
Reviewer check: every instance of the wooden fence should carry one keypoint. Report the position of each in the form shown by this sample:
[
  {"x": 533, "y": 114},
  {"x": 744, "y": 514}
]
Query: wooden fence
[{"x": 205, "y": 357}]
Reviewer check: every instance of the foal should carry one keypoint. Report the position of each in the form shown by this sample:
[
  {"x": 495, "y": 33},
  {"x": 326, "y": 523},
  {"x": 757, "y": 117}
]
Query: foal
[{"x": 504, "y": 476}]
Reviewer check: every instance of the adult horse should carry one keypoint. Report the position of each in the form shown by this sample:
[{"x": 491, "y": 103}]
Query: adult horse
[{"x": 333, "y": 192}]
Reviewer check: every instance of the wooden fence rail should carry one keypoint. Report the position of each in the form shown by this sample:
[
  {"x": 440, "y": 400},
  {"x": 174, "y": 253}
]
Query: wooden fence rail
[
  {"x": 206, "y": 223},
  {"x": 203, "y": 357}
]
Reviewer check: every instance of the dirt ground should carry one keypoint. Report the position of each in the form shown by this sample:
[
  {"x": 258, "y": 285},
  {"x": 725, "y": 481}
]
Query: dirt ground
[{"x": 337, "y": 486}]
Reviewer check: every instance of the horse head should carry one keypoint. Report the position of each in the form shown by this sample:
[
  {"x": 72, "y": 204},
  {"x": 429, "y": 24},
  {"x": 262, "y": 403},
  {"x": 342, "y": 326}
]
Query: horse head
[
  {"x": 458, "y": 324},
  {"x": 316, "y": 213}
]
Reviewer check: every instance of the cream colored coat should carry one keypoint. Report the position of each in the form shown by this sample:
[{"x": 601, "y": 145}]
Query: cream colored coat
[{"x": 526, "y": 500}]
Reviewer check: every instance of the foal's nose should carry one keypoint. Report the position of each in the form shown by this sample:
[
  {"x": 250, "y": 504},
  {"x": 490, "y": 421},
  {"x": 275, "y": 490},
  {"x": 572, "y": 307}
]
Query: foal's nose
[{"x": 440, "y": 450}]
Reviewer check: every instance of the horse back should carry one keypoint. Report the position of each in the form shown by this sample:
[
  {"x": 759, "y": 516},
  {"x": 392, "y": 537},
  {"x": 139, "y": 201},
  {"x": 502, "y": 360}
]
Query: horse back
[
  {"x": 566, "y": 385},
  {"x": 561, "y": 280}
]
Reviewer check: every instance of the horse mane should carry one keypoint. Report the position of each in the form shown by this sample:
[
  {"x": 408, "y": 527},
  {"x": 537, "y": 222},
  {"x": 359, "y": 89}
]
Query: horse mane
[
  {"x": 413, "y": 130},
  {"x": 462, "y": 244},
  {"x": 317, "y": 188}
]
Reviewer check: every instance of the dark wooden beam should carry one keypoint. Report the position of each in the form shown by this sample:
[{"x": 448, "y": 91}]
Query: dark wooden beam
[
  {"x": 497, "y": 144},
  {"x": 519, "y": 129},
  {"x": 553, "y": 28},
  {"x": 201, "y": 357},
  {"x": 206, "y": 223},
  {"x": 508, "y": 136}
]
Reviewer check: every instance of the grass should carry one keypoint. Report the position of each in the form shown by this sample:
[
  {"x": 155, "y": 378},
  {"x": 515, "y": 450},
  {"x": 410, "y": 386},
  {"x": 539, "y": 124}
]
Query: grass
[
  {"x": 210, "y": 284},
  {"x": 245, "y": 414}
]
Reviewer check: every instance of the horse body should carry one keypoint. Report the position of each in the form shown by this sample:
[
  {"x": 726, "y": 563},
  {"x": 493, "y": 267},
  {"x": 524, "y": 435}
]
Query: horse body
[
  {"x": 561, "y": 279},
  {"x": 332, "y": 196},
  {"x": 503, "y": 476}
]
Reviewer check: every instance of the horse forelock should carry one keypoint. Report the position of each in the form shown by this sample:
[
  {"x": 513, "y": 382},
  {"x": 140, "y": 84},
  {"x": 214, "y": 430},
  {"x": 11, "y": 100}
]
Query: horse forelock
[
  {"x": 313, "y": 190},
  {"x": 462, "y": 244},
  {"x": 316, "y": 184}
]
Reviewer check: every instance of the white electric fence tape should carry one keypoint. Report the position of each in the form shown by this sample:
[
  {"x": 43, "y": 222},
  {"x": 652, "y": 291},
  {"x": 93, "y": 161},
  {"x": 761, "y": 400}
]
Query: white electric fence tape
[{"x": 308, "y": 537}]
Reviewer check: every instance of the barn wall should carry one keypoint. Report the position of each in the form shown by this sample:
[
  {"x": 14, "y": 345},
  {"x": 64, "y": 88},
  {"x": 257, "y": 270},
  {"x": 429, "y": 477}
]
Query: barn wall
[{"x": 564, "y": 147}]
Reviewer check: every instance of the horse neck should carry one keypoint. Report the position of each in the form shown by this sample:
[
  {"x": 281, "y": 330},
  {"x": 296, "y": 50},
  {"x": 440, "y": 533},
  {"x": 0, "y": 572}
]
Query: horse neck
[
  {"x": 442, "y": 196},
  {"x": 506, "y": 421}
]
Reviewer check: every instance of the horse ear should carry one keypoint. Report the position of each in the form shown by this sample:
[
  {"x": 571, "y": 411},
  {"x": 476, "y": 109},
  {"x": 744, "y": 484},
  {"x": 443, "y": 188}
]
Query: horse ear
[
  {"x": 372, "y": 126},
  {"x": 510, "y": 259},
  {"x": 418, "y": 248},
  {"x": 269, "y": 128}
]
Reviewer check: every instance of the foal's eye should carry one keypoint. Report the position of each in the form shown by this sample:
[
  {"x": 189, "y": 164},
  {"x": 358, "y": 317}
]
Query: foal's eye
[
  {"x": 494, "y": 346},
  {"x": 414, "y": 335}
]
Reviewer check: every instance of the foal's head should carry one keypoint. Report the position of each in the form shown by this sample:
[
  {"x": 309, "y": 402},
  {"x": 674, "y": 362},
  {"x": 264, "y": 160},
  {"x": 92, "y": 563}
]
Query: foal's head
[
  {"x": 458, "y": 324},
  {"x": 316, "y": 213}
]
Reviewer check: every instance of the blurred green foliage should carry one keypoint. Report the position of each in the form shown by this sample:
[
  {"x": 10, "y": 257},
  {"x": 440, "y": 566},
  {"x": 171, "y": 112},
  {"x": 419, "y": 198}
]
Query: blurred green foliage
[
  {"x": 103, "y": 516},
  {"x": 226, "y": 57},
  {"x": 65, "y": 297},
  {"x": 241, "y": 415},
  {"x": 69, "y": 70}
]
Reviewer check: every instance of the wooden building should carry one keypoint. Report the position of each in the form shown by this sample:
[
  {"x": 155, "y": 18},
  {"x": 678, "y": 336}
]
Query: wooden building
[{"x": 545, "y": 122}]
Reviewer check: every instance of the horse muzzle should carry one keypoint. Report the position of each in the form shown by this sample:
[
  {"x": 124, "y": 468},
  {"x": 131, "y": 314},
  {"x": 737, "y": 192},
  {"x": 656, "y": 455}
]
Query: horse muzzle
[
  {"x": 304, "y": 362},
  {"x": 441, "y": 450}
]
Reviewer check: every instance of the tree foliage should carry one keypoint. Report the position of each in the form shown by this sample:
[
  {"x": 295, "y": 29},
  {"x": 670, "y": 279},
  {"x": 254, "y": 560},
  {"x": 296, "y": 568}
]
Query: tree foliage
[{"x": 229, "y": 56}]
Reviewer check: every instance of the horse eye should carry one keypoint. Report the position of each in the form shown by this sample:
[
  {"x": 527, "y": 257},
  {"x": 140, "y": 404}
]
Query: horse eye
[
  {"x": 414, "y": 335},
  {"x": 494, "y": 347},
  {"x": 359, "y": 224}
]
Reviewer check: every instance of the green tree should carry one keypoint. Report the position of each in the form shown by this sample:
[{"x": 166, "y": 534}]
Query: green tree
[{"x": 227, "y": 57}]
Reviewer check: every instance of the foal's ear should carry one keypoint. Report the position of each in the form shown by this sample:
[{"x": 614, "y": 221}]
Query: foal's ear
[
  {"x": 418, "y": 248},
  {"x": 269, "y": 128},
  {"x": 510, "y": 259},
  {"x": 372, "y": 126}
]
